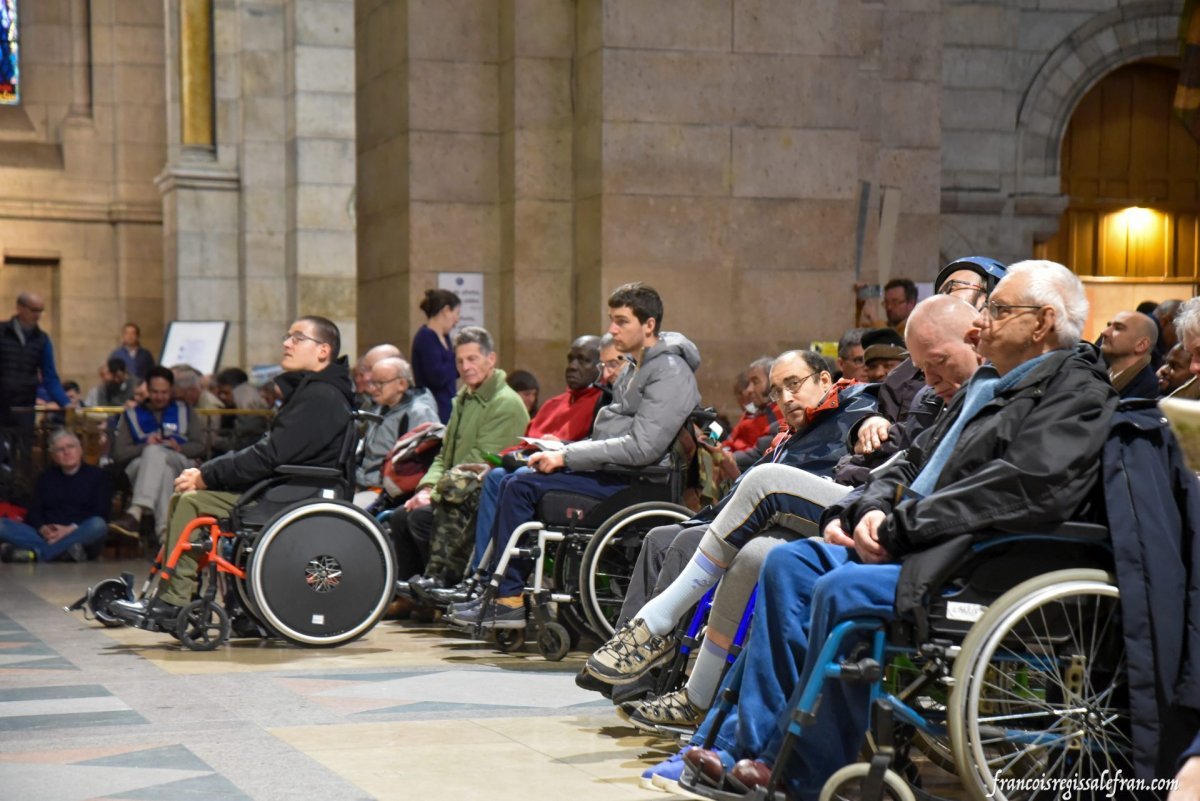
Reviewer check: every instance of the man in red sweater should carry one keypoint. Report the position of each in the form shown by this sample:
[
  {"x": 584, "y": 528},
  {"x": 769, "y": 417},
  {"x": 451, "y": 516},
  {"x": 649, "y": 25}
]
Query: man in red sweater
[{"x": 760, "y": 417}]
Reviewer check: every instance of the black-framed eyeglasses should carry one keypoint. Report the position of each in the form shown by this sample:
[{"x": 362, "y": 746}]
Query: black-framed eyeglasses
[
  {"x": 952, "y": 285},
  {"x": 296, "y": 338},
  {"x": 383, "y": 383},
  {"x": 998, "y": 311},
  {"x": 791, "y": 386}
]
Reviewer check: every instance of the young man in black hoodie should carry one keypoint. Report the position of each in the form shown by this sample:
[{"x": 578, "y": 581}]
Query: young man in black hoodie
[{"x": 317, "y": 402}]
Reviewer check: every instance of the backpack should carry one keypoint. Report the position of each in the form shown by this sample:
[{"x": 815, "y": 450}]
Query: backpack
[{"x": 410, "y": 458}]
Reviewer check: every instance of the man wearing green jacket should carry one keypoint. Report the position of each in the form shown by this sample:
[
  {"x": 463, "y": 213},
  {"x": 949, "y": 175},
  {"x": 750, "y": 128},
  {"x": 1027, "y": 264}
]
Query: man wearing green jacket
[{"x": 486, "y": 417}]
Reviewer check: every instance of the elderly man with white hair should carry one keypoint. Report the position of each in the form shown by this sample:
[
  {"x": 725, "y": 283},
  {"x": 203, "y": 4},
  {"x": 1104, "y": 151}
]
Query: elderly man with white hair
[
  {"x": 1019, "y": 450},
  {"x": 1187, "y": 325},
  {"x": 403, "y": 407}
]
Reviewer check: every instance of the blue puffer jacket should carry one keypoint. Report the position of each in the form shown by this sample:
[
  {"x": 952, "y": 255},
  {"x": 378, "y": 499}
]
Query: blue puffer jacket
[{"x": 1153, "y": 504}]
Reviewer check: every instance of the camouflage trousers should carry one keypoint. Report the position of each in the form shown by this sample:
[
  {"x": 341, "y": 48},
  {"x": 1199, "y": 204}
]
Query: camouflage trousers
[{"x": 455, "y": 501}]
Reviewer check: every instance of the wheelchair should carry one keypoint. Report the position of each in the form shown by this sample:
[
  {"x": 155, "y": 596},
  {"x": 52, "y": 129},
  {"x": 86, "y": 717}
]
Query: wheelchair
[
  {"x": 1019, "y": 681},
  {"x": 294, "y": 560},
  {"x": 584, "y": 548}
]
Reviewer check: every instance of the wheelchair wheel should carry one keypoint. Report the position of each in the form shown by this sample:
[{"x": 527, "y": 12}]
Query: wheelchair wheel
[
  {"x": 103, "y": 594},
  {"x": 203, "y": 625},
  {"x": 1040, "y": 688},
  {"x": 610, "y": 556},
  {"x": 320, "y": 573},
  {"x": 509, "y": 640},
  {"x": 847, "y": 785},
  {"x": 554, "y": 641},
  {"x": 568, "y": 556}
]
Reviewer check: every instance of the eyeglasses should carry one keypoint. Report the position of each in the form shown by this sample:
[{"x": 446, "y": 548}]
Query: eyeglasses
[
  {"x": 296, "y": 338},
  {"x": 383, "y": 383},
  {"x": 998, "y": 311},
  {"x": 951, "y": 286},
  {"x": 791, "y": 386},
  {"x": 611, "y": 364}
]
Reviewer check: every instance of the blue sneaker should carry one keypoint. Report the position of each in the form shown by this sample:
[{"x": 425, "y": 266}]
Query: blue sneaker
[{"x": 665, "y": 775}]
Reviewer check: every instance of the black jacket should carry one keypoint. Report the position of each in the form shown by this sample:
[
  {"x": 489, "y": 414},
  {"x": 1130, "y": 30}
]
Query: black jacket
[
  {"x": 1153, "y": 505},
  {"x": 308, "y": 430},
  {"x": 1027, "y": 462}
]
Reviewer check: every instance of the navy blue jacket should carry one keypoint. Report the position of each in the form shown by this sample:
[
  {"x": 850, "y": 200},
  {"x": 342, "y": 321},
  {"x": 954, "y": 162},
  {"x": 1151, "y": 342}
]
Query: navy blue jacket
[
  {"x": 818, "y": 447},
  {"x": 1153, "y": 504}
]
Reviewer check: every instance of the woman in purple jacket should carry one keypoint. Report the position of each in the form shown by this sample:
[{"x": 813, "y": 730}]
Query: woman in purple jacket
[{"x": 432, "y": 356}]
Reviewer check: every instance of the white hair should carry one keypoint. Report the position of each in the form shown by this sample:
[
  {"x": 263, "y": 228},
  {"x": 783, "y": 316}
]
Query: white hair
[
  {"x": 1187, "y": 320},
  {"x": 1051, "y": 284}
]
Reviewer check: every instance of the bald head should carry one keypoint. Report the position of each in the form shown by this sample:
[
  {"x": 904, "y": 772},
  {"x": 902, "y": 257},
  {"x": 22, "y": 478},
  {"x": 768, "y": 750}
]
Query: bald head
[
  {"x": 583, "y": 362},
  {"x": 391, "y": 377},
  {"x": 1128, "y": 338},
  {"x": 940, "y": 335},
  {"x": 29, "y": 309},
  {"x": 371, "y": 357}
]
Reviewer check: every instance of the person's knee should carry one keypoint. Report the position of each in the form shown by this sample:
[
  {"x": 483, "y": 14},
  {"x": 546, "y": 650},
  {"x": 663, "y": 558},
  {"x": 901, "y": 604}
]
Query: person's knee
[
  {"x": 781, "y": 564},
  {"x": 661, "y": 537}
]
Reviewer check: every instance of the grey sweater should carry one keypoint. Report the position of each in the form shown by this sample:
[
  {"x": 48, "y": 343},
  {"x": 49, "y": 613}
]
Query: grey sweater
[
  {"x": 416, "y": 407},
  {"x": 650, "y": 403}
]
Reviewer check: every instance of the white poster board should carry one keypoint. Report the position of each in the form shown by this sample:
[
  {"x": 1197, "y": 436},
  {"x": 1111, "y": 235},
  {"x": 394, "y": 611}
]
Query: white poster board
[
  {"x": 469, "y": 288},
  {"x": 195, "y": 342}
]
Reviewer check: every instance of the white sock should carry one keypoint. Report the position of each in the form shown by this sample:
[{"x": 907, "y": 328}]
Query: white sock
[
  {"x": 663, "y": 611},
  {"x": 706, "y": 674}
]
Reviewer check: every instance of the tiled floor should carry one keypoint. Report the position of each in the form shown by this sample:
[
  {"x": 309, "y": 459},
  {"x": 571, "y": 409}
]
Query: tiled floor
[{"x": 408, "y": 712}]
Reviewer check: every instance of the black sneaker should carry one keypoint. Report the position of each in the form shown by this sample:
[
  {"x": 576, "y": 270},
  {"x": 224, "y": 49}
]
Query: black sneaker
[
  {"x": 164, "y": 615},
  {"x": 8, "y": 553},
  {"x": 586, "y": 681},
  {"x": 492, "y": 616}
]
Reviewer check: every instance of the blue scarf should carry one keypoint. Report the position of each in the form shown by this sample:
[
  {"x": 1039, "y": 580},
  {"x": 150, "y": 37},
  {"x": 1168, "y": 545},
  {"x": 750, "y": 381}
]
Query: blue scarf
[{"x": 984, "y": 385}]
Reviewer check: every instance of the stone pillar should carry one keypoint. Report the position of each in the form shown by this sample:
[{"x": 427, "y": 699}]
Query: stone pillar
[
  {"x": 429, "y": 150},
  {"x": 320, "y": 174},
  {"x": 536, "y": 210}
]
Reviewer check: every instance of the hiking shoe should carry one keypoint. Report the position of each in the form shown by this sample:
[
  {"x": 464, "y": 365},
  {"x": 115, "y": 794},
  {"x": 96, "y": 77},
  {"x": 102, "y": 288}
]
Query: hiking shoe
[
  {"x": 586, "y": 681},
  {"x": 491, "y": 616},
  {"x": 672, "y": 709},
  {"x": 631, "y": 652}
]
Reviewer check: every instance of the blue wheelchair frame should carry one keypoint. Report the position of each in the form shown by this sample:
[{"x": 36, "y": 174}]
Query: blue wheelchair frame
[{"x": 807, "y": 696}]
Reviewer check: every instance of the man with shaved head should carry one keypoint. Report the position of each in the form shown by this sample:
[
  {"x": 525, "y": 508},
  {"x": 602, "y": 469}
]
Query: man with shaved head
[
  {"x": 26, "y": 359},
  {"x": 1127, "y": 343}
]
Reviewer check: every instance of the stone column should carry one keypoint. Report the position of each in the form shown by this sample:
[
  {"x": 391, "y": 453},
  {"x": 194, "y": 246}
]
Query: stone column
[
  {"x": 536, "y": 210},
  {"x": 320, "y": 172}
]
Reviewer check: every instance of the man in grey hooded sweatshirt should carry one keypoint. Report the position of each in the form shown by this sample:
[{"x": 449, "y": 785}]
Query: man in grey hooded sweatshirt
[{"x": 651, "y": 402}]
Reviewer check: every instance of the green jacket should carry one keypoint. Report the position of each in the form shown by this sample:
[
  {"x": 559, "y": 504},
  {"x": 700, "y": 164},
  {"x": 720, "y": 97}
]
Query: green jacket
[{"x": 486, "y": 421}]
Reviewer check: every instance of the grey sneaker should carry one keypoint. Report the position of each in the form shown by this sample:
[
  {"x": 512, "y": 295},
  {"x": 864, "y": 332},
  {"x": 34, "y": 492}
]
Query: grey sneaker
[
  {"x": 672, "y": 709},
  {"x": 75, "y": 553},
  {"x": 631, "y": 652},
  {"x": 490, "y": 616}
]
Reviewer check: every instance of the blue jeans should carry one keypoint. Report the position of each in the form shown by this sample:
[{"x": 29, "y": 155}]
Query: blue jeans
[
  {"x": 805, "y": 589},
  {"x": 518, "y": 503},
  {"x": 489, "y": 500},
  {"x": 91, "y": 532}
]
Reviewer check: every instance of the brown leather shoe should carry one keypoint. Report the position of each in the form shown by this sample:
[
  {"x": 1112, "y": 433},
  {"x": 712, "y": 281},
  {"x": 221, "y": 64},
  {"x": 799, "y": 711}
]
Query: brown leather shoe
[
  {"x": 399, "y": 609},
  {"x": 127, "y": 525},
  {"x": 751, "y": 773},
  {"x": 708, "y": 763}
]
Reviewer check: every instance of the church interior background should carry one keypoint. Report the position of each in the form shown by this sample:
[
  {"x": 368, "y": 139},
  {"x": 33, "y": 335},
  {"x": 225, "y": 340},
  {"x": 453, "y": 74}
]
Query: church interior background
[{"x": 249, "y": 160}]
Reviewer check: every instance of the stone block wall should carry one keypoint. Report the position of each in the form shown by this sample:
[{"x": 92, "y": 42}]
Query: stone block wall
[
  {"x": 77, "y": 162},
  {"x": 714, "y": 149}
]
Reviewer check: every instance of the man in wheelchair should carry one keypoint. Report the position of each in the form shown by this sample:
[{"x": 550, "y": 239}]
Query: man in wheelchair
[
  {"x": 1019, "y": 451},
  {"x": 651, "y": 401},
  {"x": 308, "y": 430}
]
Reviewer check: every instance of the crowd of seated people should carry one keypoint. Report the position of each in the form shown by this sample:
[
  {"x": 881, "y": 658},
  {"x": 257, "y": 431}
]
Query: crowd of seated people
[{"x": 976, "y": 409}]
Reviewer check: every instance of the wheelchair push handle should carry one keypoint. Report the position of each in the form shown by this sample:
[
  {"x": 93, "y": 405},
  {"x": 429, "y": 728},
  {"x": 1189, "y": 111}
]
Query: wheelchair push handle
[{"x": 705, "y": 418}]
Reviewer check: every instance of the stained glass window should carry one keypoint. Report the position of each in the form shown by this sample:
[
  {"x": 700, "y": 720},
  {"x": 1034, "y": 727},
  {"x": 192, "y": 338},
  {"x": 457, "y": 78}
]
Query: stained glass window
[{"x": 10, "y": 55}]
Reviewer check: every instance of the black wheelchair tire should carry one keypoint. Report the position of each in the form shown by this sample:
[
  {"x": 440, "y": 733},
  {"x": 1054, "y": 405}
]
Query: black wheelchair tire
[
  {"x": 330, "y": 590},
  {"x": 203, "y": 625},
  {"x": 644, "y": 516},
  {"x": 554, "y": 641}
]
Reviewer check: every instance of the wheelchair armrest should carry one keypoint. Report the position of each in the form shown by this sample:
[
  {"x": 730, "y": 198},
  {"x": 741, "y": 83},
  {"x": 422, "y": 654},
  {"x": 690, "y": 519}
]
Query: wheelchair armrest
[
  {"x": 1085, "y": 532},
  {"x": 651, "y": 472},
  {"x": 308, "y": 472}
]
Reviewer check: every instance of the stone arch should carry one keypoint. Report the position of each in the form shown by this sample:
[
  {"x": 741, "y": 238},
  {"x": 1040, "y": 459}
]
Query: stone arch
[{"x": 1135, "y": 30}]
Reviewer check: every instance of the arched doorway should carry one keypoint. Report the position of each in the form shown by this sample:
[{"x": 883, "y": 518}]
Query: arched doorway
[{"x": 1131, "y": 172}]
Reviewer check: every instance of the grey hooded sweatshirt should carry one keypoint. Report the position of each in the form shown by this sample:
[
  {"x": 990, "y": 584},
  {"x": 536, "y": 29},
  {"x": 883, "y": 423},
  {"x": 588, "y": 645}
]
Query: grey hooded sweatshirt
[
  {"x": 651, "y": 402},
  {"x": 416, "y": 407}
]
